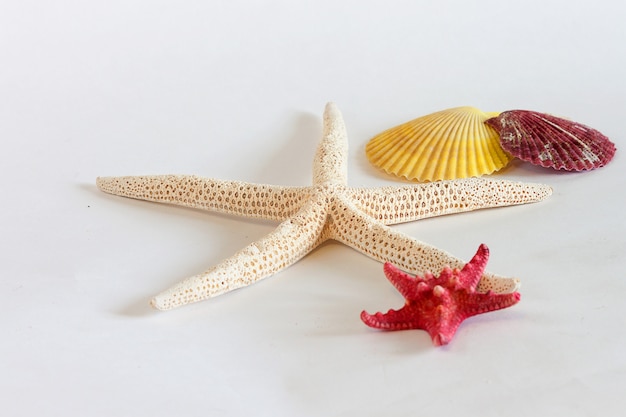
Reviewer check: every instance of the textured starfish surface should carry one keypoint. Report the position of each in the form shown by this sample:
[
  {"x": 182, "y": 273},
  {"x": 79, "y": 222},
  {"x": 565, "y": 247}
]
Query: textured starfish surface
[
  {"x": 328, "y": 209},
  {"x": 439, "y": 305}
]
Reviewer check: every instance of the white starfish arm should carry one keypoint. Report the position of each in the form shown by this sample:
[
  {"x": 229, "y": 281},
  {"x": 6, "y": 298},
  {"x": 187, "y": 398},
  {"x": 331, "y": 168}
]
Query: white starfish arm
[
  {"x": 330, "y": 165},
  {"x": 392, "y": 205},
  {"x": 232, "y": 197},
  {"x": 291, "y": 240},
  {"x": 384, "y": 244}
]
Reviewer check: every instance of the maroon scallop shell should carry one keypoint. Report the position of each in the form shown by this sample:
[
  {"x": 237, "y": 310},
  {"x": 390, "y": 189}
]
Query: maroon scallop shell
[{"x": 550, "y": 141}]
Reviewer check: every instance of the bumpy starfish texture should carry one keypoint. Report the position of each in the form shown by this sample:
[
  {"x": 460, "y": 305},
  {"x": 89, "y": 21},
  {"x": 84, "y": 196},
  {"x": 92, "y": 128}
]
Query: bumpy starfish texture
[
  {"x": 439, "y": 305},
  {"x": 328, "y": 209}
]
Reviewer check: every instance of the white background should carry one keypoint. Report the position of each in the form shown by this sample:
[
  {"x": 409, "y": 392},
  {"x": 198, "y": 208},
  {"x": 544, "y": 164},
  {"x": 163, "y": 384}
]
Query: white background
[{"x": 235, "y": 90}]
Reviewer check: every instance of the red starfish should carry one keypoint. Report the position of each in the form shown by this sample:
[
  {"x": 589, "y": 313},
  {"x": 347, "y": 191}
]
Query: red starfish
[{"x": 439, "y": 305}]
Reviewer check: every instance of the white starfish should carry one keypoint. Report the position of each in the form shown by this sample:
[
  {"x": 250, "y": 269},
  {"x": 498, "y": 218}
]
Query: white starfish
[{"x": 328, "y": 209}]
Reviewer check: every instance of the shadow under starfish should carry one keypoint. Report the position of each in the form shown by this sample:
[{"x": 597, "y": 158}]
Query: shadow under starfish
[{"x": 328, "y": 209}]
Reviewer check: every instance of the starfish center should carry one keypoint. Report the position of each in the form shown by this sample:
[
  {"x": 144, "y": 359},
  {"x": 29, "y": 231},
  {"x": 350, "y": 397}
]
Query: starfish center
[{"x": 330, "y": 189}]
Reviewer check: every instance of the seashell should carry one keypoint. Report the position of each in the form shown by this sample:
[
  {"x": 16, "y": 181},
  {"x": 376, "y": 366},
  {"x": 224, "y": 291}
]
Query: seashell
[
  {"x": 551, "y": 141},
  {"x": 448, "y": 144}
]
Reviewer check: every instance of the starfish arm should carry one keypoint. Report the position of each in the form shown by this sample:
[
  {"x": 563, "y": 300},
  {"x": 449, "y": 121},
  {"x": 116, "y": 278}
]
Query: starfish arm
[
  {"x": 407, "y": 285},
  {"x": 469, "y": 276},
  {"x": 291, "y": 240},
  {"x": 392, "y": 205},
  {"x": 402, "y": 319},
  {"x": 380, "y": 242},
  {"x": 330, "y": 165},
  {"x": 479, "y": 303},
  {"x": 231, "y": 197},
  {"x": 443, "y": 329}
]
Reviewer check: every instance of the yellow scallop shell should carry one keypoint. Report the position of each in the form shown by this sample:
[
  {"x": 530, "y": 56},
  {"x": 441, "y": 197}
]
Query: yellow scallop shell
[{"x": 449, "y": 144}]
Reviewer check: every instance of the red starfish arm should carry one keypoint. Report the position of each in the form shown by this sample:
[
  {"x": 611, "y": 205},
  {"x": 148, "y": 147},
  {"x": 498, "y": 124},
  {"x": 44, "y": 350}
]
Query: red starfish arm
[
  {"x": 406, "y": 284},
  {"x": 470, "y": 275},
  {"x": 478, "y": 303},
  {"x": 442, "y": 325},
  {"x": 402, "y": 319}
]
